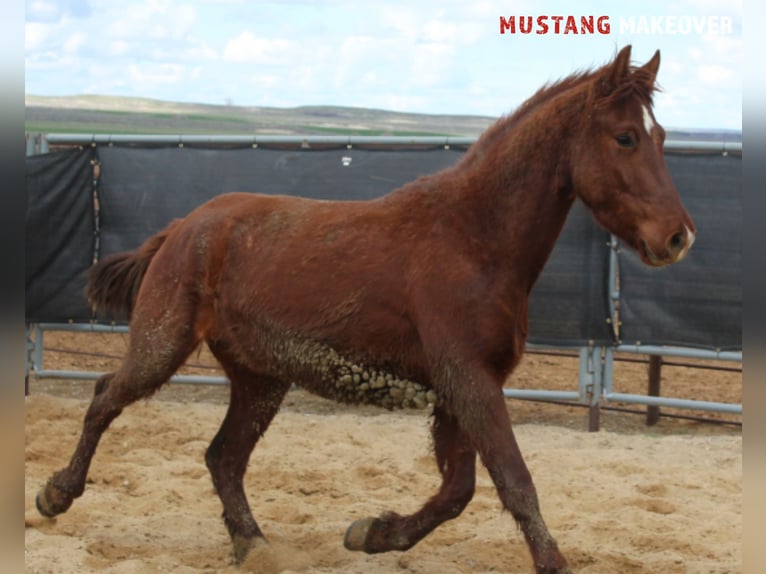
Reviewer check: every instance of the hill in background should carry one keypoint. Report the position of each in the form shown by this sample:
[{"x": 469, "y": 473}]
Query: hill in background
[
  {"x": 104, "y": 114},
  {"x": 92, "y": 114}
]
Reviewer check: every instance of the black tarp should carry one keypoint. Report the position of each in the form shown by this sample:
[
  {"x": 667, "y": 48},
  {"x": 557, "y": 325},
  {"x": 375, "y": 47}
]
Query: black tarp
[
  {"x": 697, "y": 302},
  {"x": 568, "y": 306},
  {"x": 142, "y": 188},
  {"x": 59, "y": 235}
]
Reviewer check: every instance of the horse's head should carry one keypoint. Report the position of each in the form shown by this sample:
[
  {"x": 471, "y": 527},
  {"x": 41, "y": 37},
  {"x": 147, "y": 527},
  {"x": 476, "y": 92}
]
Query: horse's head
[{"x": 618, "y": 166}]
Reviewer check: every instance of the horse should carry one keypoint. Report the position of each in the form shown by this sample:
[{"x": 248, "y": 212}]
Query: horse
[{"x": 417, "y": 298}]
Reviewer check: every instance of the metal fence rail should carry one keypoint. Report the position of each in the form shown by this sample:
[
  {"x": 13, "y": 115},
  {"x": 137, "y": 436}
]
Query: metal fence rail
[
  {"x": 595, "y": 377},
  {"x": 40, "y": 143},
  {"x": 36, "y": 346}
]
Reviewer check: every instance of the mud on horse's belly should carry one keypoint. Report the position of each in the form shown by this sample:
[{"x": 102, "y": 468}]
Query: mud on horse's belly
[
  {"x": 323, "y": 371},
  {"x": 359, "y": 384}
]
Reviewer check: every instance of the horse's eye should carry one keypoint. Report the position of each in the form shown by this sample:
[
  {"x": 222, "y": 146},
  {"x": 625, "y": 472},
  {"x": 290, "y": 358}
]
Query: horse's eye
[{"x": 625, "y": 140}]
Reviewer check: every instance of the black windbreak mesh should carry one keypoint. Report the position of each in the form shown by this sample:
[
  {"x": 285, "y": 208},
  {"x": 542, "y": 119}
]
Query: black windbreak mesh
[
  {"x": 156, "y": 185},
  {"x": 59, "y": 235},
  {"x": 141, "y": 189},
  {"x": 697, "y": 302},
  {"x": 569, "y": 304}
]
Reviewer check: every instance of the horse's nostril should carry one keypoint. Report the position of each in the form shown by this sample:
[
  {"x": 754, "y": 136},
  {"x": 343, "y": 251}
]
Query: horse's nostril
[{"x": 678, "y": 241}]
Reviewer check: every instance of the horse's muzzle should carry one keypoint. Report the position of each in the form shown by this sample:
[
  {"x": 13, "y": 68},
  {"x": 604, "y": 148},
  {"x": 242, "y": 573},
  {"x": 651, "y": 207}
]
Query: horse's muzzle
[{"x": 676, "y": 247}]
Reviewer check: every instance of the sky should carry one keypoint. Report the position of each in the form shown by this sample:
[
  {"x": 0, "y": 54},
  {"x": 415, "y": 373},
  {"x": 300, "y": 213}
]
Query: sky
[{"x": 445, "y": 57}]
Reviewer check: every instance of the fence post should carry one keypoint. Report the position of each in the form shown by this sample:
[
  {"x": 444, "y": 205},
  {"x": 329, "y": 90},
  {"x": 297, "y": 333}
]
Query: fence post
[
  {"x": 655, "y": 376},
  {"x": 591, "y": 383}
]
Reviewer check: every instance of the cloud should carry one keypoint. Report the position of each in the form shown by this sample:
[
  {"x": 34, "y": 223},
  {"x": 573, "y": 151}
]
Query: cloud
[
  {"x": 360, "y": 55},
  {"x": 118, "y": 48},
  {"x": 150, "y": 74},
  {"x": 53, "y": 11},
  {"x": 152, "y": 19},
  {"x": 404, "y": 55},
  {"x": 41, "y": 11},
  {"x": 431, "y": 64},
  {"x": 72, "y": 43},
  {"x": 718, "y": 7},
  {"x": 717, "y": 61},
  {"x": 717, "y": 75},
  {"x": 246, "y": 47},
  {"x": 266, "y": 81},
  {"x": 399, "y": 20},
  {"x": 35, "y": 35},
  {"x": 200, "y": 52}
]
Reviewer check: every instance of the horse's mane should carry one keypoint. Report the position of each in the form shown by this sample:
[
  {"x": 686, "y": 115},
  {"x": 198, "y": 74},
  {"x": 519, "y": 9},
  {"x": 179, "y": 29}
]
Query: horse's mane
[{"x": 638, "y": 82}]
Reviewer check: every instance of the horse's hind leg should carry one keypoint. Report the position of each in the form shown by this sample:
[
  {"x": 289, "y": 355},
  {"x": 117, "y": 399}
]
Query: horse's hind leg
[
  {"x": 254, "y": 401},
  {"x": 158, "y": 346},
  {"x": 456, "y": 459}
]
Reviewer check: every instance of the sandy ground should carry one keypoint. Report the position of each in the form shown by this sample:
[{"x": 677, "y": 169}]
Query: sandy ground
[{"x": 628, "y": 499}]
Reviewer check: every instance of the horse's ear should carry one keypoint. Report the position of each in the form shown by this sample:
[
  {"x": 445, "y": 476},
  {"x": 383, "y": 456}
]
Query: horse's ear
[
  {"x": 652, "y": 66},
  {"x": 621, "y": 64},
  {"x": 615, "y": 73}
]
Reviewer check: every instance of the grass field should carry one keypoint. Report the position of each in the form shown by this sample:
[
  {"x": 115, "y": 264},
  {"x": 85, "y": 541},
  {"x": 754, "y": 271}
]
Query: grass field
[
  {"x": 93, "y": 114},
  {"x": 102, "y": 114}
]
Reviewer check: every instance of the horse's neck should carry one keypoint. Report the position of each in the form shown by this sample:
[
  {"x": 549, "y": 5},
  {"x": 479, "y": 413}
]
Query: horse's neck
[{"x": 519, "y": 195}]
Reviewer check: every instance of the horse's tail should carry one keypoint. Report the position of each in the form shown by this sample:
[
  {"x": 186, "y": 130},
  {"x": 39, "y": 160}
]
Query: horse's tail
[{"x": 113, "y": 283}]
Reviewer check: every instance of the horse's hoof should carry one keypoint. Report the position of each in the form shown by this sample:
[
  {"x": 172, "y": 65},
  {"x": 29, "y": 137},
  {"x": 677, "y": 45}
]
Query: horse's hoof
[
  {"x": 50, "y": 502},
  {"x": 356, "y": 535},
  {"x": 42, "y": 505},
  {"x": 243, "y": 545}
]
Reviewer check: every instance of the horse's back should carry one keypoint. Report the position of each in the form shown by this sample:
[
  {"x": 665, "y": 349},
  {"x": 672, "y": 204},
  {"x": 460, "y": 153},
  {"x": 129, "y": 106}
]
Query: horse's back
[{"x": 299, "y": 271}]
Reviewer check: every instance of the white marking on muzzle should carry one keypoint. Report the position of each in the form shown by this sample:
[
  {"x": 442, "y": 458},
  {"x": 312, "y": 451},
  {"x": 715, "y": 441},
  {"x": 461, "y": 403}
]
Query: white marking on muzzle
[
  {"x": 690, "y": 237},
  {"x": 648, "y": 121},
  {"x": 689, "y": 242}
]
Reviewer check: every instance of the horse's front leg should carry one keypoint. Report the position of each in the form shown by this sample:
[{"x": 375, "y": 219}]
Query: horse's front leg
[
  {"x": 478, "y": 402},
  {"x": 456, "y": 460}
]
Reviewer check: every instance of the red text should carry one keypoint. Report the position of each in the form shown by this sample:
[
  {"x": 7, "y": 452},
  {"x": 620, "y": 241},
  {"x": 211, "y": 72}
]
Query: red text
[{"x": 555, "y": 25}]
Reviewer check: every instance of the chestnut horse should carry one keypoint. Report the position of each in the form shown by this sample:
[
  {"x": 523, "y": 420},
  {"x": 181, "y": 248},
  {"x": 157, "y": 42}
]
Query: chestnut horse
[{"x": 418, "y": 297}]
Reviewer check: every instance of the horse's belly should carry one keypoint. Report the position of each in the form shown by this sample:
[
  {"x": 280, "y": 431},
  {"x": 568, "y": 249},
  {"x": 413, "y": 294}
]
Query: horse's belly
[
  {"x": 322, "y": 370},
  {"x": 348, "y": 382}
]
